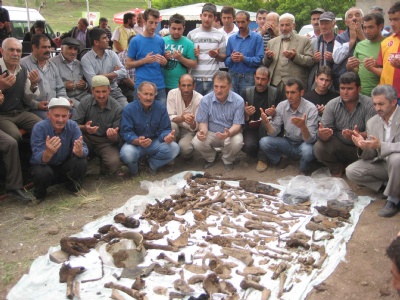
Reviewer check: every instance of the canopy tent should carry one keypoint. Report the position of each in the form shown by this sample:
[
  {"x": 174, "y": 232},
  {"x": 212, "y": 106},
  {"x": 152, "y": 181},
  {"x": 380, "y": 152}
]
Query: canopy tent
[
  {"x": 119, "y": 17},
  {"x": 192, "y": 12}
]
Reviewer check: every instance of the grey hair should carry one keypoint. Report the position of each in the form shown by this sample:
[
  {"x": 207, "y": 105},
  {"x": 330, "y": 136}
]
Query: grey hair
[
  {"x": 263, "y": 70},
  {"x": 143, "y": 83},
  {"x": 347, "y": 12},
  {"x": 5, "y": 42},
  {"x": 386, "y": 90},
  {"x": 287, "y": 16}
]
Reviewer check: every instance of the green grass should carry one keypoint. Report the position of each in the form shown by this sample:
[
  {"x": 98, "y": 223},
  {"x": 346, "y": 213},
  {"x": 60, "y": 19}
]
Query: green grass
[
  {"x": 63, "y": 15},
  {"x": 10, "y": 271}
]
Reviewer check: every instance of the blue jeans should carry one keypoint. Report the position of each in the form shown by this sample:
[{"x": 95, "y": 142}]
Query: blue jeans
[
  {"x": 241, "y": 81},
  {"x": 275, "y": 147},
  {"x": 159, "y": 154},
  {"x": 204, "y": 87},
  {"x": 161, "y": 96}
]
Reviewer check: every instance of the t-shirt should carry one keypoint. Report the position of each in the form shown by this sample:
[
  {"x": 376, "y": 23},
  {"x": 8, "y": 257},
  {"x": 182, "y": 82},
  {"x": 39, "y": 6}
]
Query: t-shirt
[
  {"x": 390, "y": 47},
  {"x": 174, "y": 69},
  {"x": 207, "y": 40},
  {"x": 138, "y": 48},
  {"x": 365, "y": 49},
  {"x": 316, "y": 98}
]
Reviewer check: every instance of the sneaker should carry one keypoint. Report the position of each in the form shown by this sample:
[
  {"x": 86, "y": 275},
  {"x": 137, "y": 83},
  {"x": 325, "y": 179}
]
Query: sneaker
[
  {"x": 208, "y": 164},
  {"x": 261, "y": 166},
  {"x": 389, "y": 210},
  {"x": 228, "y": 167}
]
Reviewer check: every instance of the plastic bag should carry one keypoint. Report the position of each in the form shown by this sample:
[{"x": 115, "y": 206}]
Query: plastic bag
[
  {"x": 159, "y": 189},
  {"x": 299, "y": 190}
]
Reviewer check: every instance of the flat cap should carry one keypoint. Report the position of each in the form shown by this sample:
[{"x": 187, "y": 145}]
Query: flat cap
[
  {"x": 318, "y": 10},
  {"x": 327, "y": 16},
  {"x": 59, "y": 102},
  {"x": 69, "y": 41},
  {"x": 100, "y": 80}
]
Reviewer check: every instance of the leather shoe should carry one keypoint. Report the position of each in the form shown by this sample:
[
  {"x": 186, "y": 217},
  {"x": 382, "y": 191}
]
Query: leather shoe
[
  {"x": 261, "y": 166},
  {"x": 228, "y": 167},
  {"x": 21, "y": 194},
  {"x": 389, "y": 210},
  {"x": 208, "y": 164}
]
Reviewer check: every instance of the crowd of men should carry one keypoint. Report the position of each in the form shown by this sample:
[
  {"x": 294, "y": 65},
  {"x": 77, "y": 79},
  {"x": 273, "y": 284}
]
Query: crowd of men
[{"x": 271, "y": 93}]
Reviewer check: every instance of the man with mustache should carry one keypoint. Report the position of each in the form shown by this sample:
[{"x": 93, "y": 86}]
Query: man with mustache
[
  {"x": 58, "y": 151},
  {"x": 220, "y": 117},
  {"x": 263, "y": 96},
  {"x": 71, "y": 70},
  {"x": 146, "y": 54},
  {"x": 379, "y": 150},
  {"x": 50, "y": 84},
  {"x": 146, "y": 131}
]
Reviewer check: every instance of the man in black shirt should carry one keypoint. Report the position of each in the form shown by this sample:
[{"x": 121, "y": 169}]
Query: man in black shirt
[
  {"x": 322, "y": 93},
  {"x": 261, "y": 96}
]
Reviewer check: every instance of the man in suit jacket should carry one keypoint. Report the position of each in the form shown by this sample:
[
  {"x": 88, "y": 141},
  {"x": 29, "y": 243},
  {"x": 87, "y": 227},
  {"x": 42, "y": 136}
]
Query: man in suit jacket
[
  {"x": 79, "y": 32},
  {"x": 380, "y": 152},
  {"x": 289, "y": 55}
]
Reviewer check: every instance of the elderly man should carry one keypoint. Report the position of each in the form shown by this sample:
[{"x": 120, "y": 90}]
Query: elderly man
[
  {"x": 289, "y": 55},
  {"x": 71, "y": 70},
  {"x": 389, "y": 57},
  {"x": 179, "y": 51},
  {"x": 19, "y": 88},
  {"x": 263, "y": 96},
  {"x": 220, "y": 117},
  {"x": 366, "y": 53},
  {"x": 99, "y": 119},
  {"x": 380, "y": 151},
  {"x": 315, "y": 14},
  {"x": 156, "y": 142},
  {"x": 146, "y": 55},
  {"x": 244, "y": 54},
  {"x": 210, "y": 47},
  {"x": 139, "y": 26},
  {"x": 343, "y": 117},
  {"x": 299, "y": 118},
  {"x": 102, "y": 61},
  {"x": 79, "y": 32},
  {"x": 58, "y": 151},
  {"x": 182, "y": 106},
  {"x": 346, "y": 42},
  {"x": 123, "y": 32},
  {"x": 50, "y": 83},
  {"x": 268, "y": 25}
]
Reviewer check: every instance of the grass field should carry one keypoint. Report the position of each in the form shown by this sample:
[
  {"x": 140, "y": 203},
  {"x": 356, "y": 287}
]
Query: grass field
[{"x": 63, "y": 15}]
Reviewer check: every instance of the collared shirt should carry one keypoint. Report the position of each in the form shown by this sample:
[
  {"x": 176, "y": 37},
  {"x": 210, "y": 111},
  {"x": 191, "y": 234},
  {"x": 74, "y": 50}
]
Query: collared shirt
[
  {"x": 252, "y": 49},
  {"x": 388, "y": 126},
  {"x": 228, "y": 35},
  {"x": 29, "y": 97},
  {"x": 107, "y": 117},
  {"x": 219, "y": 115},
  {"x": 319, "y": 44},
  {"x": 81, "y": 36},
  {"x": 337, "y": 117},
  {"x": 176, "y": 105},
  {"x": 130, "y": 73},
  {"x": 50, "y": 83},
  {"x": 68, "y": 135},
  {"x": 93, "y": 65},
  {"x": 284, "y": 113},
  {"x": 136, "y": 122}
]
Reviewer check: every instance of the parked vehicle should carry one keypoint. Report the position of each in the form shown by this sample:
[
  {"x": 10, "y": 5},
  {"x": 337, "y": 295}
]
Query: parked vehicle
[{"x": 19, "y": 21}]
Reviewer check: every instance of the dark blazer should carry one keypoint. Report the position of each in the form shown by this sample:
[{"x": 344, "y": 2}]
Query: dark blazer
[{"x": 74, "y": 32}]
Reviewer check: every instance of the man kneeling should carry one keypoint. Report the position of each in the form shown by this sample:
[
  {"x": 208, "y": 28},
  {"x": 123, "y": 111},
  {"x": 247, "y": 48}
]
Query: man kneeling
[{"x": 58, "y": 151}]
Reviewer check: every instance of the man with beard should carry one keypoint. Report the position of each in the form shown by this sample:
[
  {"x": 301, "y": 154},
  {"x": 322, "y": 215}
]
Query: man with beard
[
  {"x": 50, "y": 84},
  {"x": 58, "y": 151},
  {"x": 380, "y": 151},
  {"x": 156, "y": 142},
  {"x": 366, "y": 52},
  {"x": 123, "y": 32},
  {"x": 146, "y": 55},
  {"x": 179, "y": 51},
  {"x": 261, "y": 96}
]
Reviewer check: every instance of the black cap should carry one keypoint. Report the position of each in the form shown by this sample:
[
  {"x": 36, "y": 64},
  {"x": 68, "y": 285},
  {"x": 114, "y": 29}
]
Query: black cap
[
  {"x": 69, "y": 41},
  {"x": 318, "y": 11}
]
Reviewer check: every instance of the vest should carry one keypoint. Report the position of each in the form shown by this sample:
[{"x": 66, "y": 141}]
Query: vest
[
  {"x": 123, "y": 37},
  {"x": 14, "y": 96}
]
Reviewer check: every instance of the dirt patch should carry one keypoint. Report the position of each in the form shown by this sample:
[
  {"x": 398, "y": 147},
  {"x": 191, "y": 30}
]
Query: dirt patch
[{"x": 28, "y": 232}]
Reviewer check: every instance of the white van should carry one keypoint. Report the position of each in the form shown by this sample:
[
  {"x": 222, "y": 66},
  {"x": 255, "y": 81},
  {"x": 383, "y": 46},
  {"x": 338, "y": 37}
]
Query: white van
[{"x": 19, "y": 21}]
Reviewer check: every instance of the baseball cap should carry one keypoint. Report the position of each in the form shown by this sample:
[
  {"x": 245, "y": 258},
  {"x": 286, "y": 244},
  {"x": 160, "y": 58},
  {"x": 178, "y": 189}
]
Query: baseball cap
[
  {"x": 59, "y": 102},
  {"x": 327, "y": 16},
  {"x": 69, "y": 41},
  {"x": 100, "y": 80},
  {"x": 210, "y": 7},
  {"x": 318, "y": 11}
]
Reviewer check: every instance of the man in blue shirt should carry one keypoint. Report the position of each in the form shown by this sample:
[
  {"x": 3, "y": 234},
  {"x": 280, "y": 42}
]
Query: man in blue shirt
[
  {"x": 146, "y": 130},
  {"x": 244, "y": 54},
  {"x": 58, "y": 151},
  {"x": 220, "y": 117}
]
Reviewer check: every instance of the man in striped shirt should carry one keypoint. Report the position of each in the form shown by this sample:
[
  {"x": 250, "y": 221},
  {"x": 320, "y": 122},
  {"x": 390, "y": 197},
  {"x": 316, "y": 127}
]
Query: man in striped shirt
[{"x": 220, "y": 117}]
